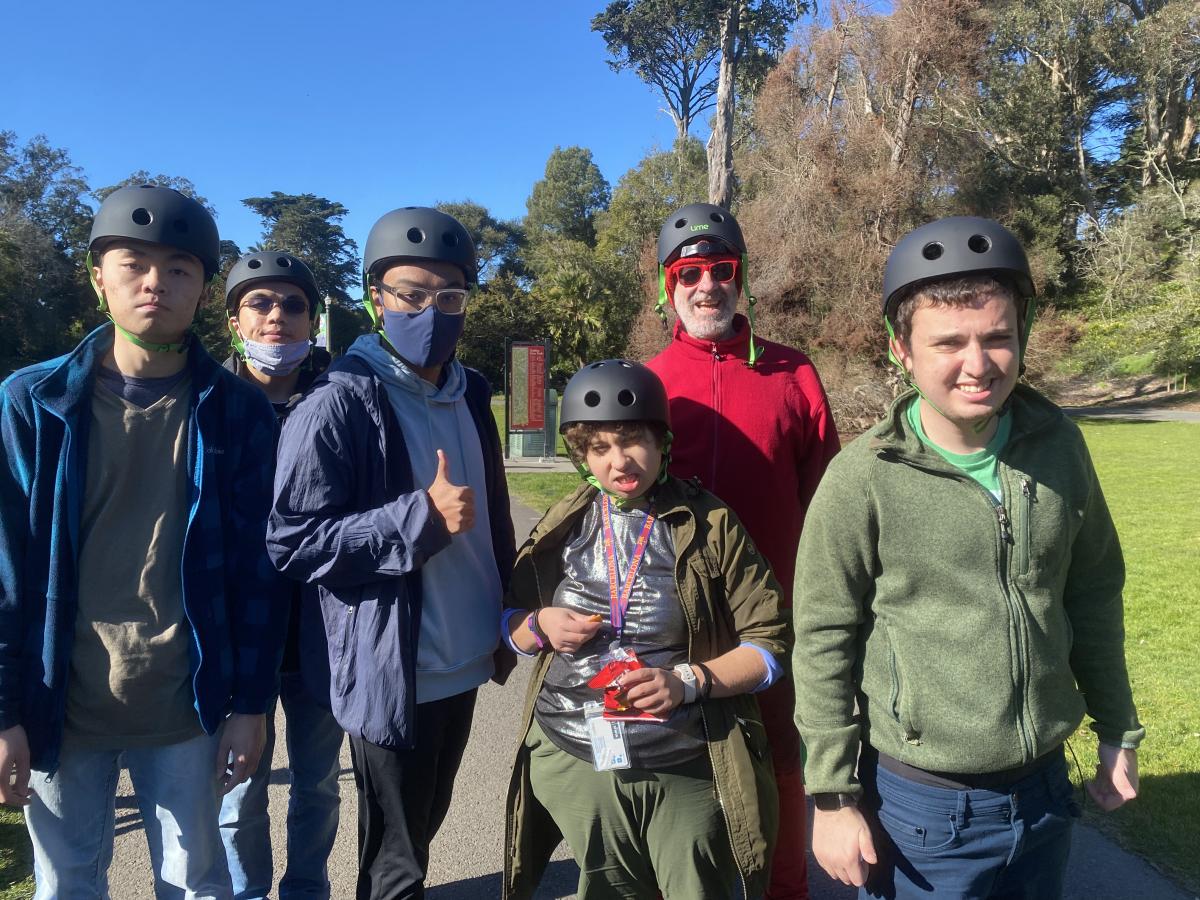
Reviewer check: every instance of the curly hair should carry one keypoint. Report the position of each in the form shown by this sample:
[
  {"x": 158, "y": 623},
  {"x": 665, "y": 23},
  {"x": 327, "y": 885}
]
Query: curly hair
[{"x": 578, "y": 435}]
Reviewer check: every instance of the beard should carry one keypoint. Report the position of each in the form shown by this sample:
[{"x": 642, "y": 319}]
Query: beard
[{"x": 707, "y": 327}]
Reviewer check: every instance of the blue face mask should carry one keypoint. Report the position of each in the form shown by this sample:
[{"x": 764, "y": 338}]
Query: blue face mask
[{"x": 424, "y": 339}]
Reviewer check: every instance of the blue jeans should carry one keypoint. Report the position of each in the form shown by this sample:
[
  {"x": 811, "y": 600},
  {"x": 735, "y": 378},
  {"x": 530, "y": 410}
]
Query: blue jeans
[
  {"x": 72, "y": 816},
  {"x": 314, "y": 743},
  {"x": 971, "y": 844}
]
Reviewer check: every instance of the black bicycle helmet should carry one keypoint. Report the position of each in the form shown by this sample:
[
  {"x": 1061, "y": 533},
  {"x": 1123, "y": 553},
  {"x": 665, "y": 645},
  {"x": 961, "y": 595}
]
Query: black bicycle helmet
[
  {"x": 614, "y": 390},
  {"x": 418, "y": 232},
  {"x": 698, "y": 220},
  {"x": 955, "y": 247},
  {"x": 159, "y": 215},
  {"x": 271, "y": 265}
]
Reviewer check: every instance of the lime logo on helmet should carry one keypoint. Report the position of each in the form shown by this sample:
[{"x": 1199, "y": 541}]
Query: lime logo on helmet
[{"x": 703, "y": 226}]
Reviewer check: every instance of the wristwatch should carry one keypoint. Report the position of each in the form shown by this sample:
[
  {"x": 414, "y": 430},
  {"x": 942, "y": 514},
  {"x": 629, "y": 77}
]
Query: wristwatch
[
  {"x": 688, "y": 677},
  {"x": 833, "y": 802}
]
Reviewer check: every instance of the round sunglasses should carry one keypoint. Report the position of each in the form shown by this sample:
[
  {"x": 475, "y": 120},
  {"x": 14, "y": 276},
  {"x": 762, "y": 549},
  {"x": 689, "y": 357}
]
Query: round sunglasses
[{"x": 689, "y": 274}]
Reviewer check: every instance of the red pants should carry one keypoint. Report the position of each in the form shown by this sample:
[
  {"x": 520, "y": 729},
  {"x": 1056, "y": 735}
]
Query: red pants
[{"x": 789, "y": 870}]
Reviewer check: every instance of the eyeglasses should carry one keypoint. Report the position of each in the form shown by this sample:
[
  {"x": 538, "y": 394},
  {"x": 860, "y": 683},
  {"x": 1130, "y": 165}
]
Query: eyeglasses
[
  {"x": 689, "y": 274},
  {"x": 291, "y": 306},
  {"x": 451, "y": 301}
]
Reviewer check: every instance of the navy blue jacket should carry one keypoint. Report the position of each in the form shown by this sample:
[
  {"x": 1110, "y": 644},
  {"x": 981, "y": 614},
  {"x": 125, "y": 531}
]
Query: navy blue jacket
[
  {"x": 233, "y": 599},
  {"x": 348, "y": 518}
]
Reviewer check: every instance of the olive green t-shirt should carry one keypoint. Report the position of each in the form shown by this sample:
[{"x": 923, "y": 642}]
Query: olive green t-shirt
[{"x": 130, "y": 681}]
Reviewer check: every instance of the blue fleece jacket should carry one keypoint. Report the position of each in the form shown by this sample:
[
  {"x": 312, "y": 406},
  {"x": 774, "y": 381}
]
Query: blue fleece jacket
[
  {"x": 351, "y": 517},
  {"x": 233, "y": 599}
]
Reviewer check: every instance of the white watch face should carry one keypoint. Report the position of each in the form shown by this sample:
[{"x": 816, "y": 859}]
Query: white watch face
[{"x": 685, "y": 673}]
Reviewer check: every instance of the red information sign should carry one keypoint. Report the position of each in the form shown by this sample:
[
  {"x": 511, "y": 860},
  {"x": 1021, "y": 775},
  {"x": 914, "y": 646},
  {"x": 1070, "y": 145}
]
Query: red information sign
[{"x": 527, "y": 404}]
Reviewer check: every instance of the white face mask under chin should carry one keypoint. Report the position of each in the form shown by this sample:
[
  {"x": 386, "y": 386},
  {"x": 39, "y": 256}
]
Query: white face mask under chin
[{"x": 276, "y": 360}]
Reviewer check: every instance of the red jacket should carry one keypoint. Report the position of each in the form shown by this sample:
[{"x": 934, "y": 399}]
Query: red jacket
[{"x": 757, "y": 438}]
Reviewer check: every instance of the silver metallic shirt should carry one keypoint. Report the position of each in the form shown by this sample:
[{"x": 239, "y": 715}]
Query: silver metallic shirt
[{"x": 655, "y": 628}]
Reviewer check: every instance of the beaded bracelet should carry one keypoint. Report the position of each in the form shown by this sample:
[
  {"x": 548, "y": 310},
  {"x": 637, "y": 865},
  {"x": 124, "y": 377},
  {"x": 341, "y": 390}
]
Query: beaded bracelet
[{"x": 532, "y": 624}]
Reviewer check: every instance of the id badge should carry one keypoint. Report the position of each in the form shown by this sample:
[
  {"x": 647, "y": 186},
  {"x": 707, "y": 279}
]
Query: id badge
[{"x": 607, "y": 738}]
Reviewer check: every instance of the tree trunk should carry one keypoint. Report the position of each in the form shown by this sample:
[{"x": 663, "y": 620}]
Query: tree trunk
[{"x": 720, "y": 142}]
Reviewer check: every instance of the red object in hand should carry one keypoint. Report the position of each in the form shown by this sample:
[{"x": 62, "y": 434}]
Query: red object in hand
[{"x": 608, "y": 680}]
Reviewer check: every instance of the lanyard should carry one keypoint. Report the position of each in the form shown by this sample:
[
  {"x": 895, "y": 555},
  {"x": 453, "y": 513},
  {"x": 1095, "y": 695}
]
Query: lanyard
[{"x": 618, "y": 600}]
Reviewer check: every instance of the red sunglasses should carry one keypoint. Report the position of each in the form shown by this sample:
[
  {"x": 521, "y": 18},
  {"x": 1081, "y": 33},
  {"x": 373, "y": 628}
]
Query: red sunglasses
[{"x": 722, "y": 271}]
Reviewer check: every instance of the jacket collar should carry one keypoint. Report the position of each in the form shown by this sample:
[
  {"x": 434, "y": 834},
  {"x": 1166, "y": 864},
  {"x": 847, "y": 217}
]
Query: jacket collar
[
  {"x": 1031, "y": 413},
  {"x": 737, "y": 346},
  {"x": 672, "y": 501},
  {"x": 67, "y": 388}
]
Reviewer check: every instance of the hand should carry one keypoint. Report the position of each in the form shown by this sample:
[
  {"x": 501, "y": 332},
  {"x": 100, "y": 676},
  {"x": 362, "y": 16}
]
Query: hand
[
  {"x": 566, "y": 629},
  {"x": 240, "y": 748},
  {"x": 1116, "y": 780},
  {"x": 14, "y": 767},
  {"x": 656, "y": 691},
  {"x": 842, "y": 844},
  {"x": 455, "y": 504}
]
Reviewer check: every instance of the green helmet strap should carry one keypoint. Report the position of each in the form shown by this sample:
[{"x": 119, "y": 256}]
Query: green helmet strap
[
  {"x": 179, "y": 347},
  {"x": 751, "y": 302}
]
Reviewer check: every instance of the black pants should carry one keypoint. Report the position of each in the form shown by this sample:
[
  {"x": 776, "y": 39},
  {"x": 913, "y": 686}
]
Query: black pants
[{"x": 403, "y": 796}]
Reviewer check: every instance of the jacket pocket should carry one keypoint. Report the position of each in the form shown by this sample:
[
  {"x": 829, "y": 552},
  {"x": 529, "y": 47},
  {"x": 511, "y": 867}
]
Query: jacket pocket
[
  {"x": 909, "y": 733},
  {"x": 755, "y": 735}
]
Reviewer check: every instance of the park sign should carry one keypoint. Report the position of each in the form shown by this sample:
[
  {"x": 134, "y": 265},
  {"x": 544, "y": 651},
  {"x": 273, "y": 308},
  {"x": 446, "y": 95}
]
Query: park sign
[{"x": 527, "y": 365}]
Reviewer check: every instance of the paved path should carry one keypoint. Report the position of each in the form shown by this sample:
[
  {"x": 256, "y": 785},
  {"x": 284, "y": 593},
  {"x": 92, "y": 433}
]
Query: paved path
[
  {"x": 466, "y": 857},
  {"x": 1140, "y": 413}
]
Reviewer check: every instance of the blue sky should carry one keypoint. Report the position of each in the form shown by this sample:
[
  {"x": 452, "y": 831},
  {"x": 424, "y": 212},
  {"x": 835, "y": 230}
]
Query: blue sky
[{"x": 370, "y": 103}]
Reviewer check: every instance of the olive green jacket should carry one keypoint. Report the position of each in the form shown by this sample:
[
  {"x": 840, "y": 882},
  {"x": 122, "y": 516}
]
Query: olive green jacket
[
  {"x": 946, "y": 630},
  {"x": 729, "y": 596}
]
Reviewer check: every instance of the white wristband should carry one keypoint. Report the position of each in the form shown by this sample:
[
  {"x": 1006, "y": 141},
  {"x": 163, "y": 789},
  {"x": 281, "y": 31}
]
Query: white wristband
[{"x": 688, "y": 677}]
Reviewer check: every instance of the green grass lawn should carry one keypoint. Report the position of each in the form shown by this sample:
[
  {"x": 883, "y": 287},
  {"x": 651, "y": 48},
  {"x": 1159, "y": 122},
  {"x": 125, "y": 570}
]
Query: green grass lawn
[
  {"x": 16, "y": 856},
  {"x": 1151, "y": 477}
]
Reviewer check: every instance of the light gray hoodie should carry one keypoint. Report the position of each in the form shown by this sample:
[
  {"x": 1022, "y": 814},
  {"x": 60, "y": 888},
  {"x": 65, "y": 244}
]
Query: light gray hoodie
[{"x": 460, "y": 584}]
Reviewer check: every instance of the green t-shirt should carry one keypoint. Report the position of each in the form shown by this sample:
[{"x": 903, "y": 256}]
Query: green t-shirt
[{"x": 982, "y": 466}]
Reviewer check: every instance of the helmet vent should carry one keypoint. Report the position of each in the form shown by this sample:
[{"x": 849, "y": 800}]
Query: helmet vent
[
  {"x": 415, "y": 235},
  {"x": 283, "y": 262},
  {"x": 449, "y": 238},
  {"x": 979, "y": 243},
  {"x": 254, "y": 264},
  {"x": 680, "y": 223},
  {"x": 142, "y": 216},
  {"x": 591, "y": 399},
  {"x": 626, "y": 398},
  {"x": 933, "y": 250},
  {"x": 716, "y": 217}
]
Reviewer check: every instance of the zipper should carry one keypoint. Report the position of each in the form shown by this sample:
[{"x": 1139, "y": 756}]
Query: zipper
[
  {"x": 715, "y": 406},
  {"x": 1023, "y": 537},
  {"x": 1014, "y": 612}
]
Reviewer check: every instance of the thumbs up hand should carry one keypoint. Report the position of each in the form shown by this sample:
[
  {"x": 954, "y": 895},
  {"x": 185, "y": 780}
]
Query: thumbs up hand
[{"x": 455, "y": 504}]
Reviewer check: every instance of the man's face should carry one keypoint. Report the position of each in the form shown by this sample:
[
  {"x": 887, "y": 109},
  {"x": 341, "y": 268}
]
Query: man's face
[
  {"x": 965, "y": 359},
  {"x": 626, "y": 467},
  {"x": 707, "y": 308},
  {"x": 152, "y": 290},
  {"x": 273, "y": 312}
]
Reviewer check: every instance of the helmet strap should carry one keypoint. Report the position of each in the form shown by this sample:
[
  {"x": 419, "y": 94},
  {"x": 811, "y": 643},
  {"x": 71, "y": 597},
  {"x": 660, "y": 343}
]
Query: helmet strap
[
  {"x": 179, "y": 347},
  {"x": 660, "y": 306},
  {"x": 751, "y": 302}
]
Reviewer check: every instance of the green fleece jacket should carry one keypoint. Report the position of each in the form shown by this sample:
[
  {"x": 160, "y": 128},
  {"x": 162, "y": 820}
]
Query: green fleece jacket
[
  {"x": 728, "y": 595},
  {"x": 952, "y": 633}
]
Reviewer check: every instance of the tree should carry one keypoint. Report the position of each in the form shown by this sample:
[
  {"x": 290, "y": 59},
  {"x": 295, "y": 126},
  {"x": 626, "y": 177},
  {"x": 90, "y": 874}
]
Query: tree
[
  {"x": 750, "y": 36},
  {"x": 46, "y": 305},
  {"x": 497, "y": 243},
  {"x": 565, "y": 202},
  {"x": 671, "y": 46},
  {"x": 310, "y": 227}
]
